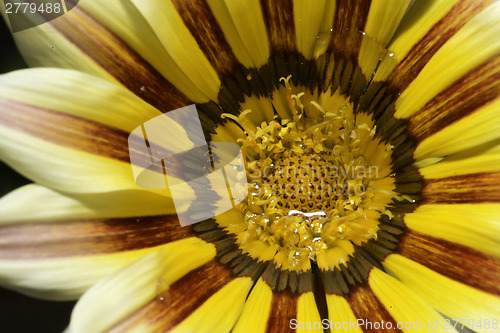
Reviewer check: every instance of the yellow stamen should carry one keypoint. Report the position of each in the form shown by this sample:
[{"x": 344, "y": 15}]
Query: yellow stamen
[{"x": 311, "y": 178}]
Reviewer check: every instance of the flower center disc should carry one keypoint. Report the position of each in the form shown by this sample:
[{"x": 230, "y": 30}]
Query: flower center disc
[{"x": 319, "y": 180}]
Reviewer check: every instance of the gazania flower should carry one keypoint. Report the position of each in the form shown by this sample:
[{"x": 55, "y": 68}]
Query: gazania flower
[{"x": 370, "y": 146}]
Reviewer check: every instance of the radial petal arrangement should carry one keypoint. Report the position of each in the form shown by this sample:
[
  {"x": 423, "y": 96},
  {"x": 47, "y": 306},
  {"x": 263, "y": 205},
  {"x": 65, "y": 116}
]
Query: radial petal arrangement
[{"x": 370, "y": 134}]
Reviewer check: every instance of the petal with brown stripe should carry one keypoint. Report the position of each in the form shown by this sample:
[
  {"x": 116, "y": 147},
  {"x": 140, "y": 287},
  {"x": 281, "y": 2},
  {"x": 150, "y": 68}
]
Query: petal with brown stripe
[
  {"x": 176, "y": 289},
  {"x": 381, "y": 24},
  {"x": 475, "y": 225},
  {"x": 280, "y": 24},
  {"x": 455, "y": 261},
  {"x": 244, "y": 27},
  {"x": 410, "y": 311},
  {"x": 349, "y": 20},
  {"x": 159, "y": 286},
  {"x": 480, "y": 159},
  {"x": 89, "y": 39},
  {"x": 477, "y": 88},
  {"x": 478, "y": 128},
  {"x": 341, "y": 317},
  {"x": 74, "y": 128},
  {"x": 450, "y": 297},
  {"x": 257, "y": 309},
  {"x": 370, "y": 312},
  {"x": 203, "y": 26},
  {"x": 281, "y": 301},
  {"x": 59, "y": 246},
  {"x": 80, "y": 237},
  {"x": 307, "y": 22},
  {"x": 37, "y": 203},
  {"x": 473, "y": 45},
  {"x": 471, "y": 188},
  {"x": 64, "y": 278},
  {"x": 173, "y": 26},
  {"x": 426, "y": 27}
]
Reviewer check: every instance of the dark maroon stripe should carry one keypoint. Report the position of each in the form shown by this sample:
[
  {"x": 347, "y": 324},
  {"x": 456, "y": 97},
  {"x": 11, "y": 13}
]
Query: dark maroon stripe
[
  {"x": 183, "y": 297},
  {"x": 84, "y": 135},
  {"x": 470, "y": 188},
  {"x": 366, "y": 306},
  {"x": 436, "y": 37},
  {"x": 88, "y": 237},
  {"x": 466, "y": 95},
  {"x": 453, "y": 260},
  {"x": 65, "y": 130},
  {"x": 283, "y": 310},
  {"x": 199, "y": 19},
  {"x": 350, "y": 19},
  {"x": 119, "y": 60},
  {"x": 280, "y": 24},
  {"x": 351, "y": 15}
]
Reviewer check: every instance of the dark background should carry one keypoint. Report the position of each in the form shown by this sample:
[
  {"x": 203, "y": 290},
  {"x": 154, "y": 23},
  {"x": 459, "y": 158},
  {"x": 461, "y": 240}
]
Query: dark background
[{"x": 19, "y": 313}]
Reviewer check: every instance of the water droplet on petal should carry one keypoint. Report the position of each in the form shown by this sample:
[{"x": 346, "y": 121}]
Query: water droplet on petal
[{"x": 163, "y": 294}]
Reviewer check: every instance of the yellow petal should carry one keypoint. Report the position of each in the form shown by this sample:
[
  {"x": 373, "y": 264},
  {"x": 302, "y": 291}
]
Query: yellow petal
[
  {"x": 480, "y": 127},
  {"x": 37, "y": 203},
  {"x": 341, "y": 317},
  {"x": 42, "y": 45},
  {"x": 228, "y": 26},
  {"x": 307, "y": 20},
  {"x": 419, "y": 20},
  {"x": 421, "y": 34},
  {"x": 479, "y": 160},
  {"x": 76, "y": 94},
  {"x": 61, "y": 168},
  {"x": 244, "y": 26},
  {"x": 370, "y": 313},
  {"x": 452, "y": 260},
  {"x": 451, "y": 298},
  {"x": 469, "y": 188},
  {"x": 474, "y": 225},
  {"x": 383, "y": 20},
  {"x": 88, "y": 39},
  {"x": 471, "y": 46},
  {"x": 58, "y": 254},
  {"x": 63, "y": 278},
  {"x": 328, "y": 16},
  {"x": 40, "y": 119},
  {"x": 116, "y": 298},
  {"x": 220, "y": 312},
  {"x": 380, "y": 25},
  {"x": 307, "y": 312},
  {"x": 181, "y": 46},
  {"x": 255, "y": 314},
  {"x": 411, "y": 312}
]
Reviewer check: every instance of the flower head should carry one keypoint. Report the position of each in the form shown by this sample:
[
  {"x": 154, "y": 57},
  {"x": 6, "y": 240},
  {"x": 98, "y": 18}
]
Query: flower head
[{"x": 370, "y": 145}]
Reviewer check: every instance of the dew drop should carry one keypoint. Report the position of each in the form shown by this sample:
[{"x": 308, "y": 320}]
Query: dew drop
[
  {"x": 163, "y": 294},
  {"x": 142, "y": 90}
]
